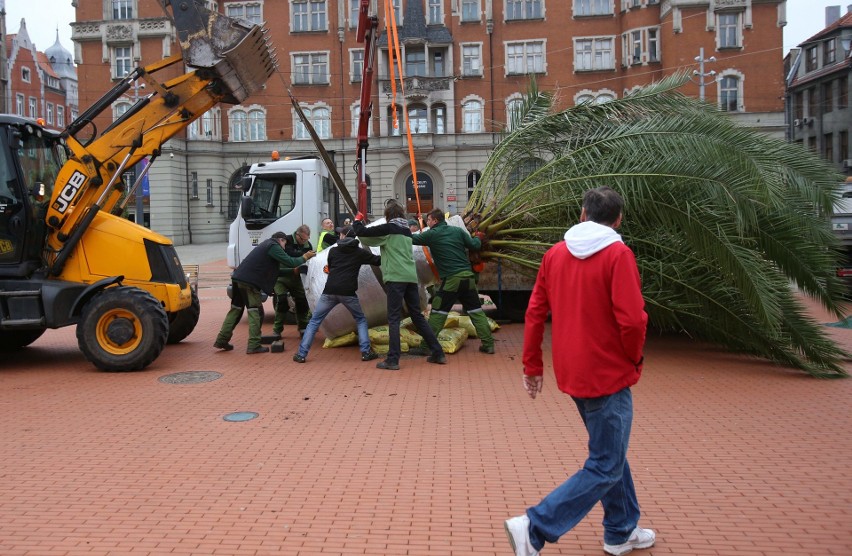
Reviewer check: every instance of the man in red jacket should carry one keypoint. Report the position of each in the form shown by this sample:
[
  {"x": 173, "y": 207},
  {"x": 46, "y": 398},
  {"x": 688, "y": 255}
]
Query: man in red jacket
[{"x": 590, "y": 285}]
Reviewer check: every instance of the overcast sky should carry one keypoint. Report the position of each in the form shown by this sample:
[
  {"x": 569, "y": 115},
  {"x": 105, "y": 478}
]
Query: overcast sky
[{"x": 805, "y": 18}]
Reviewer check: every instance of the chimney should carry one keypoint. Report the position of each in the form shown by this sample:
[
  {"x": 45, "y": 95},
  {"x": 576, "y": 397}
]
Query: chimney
[{"x": 832, "y": 14}]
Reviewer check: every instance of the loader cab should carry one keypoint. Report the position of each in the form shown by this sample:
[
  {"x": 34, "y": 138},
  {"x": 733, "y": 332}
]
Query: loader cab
[{"x": 30, "y": 159}]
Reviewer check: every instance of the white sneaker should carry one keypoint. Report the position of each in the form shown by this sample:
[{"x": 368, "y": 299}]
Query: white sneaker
[
  {"x": 639, "y": 538},
  {"x": 518, "y": 531}
]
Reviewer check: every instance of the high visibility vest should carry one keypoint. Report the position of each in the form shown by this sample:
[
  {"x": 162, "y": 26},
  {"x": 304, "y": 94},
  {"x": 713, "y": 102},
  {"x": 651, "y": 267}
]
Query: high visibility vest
[{"x": 320, "y": 245}]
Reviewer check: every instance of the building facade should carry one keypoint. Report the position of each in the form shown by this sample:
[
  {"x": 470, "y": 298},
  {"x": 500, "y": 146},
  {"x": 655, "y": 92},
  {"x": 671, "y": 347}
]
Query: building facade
[
  {"x": 38, "y": 84},
  {"x": 466, "y": 66},
  {"x": 819, "y": 74}
]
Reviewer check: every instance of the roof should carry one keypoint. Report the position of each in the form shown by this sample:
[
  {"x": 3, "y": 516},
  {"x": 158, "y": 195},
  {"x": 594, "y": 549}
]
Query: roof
[{"x": 844, "y": 21}]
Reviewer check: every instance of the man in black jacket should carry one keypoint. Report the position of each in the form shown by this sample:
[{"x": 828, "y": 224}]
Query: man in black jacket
[
  {"x": 290, "y": 282},
  {"x": 344, "y": 263},
  {"x": 258, "y": 272}
]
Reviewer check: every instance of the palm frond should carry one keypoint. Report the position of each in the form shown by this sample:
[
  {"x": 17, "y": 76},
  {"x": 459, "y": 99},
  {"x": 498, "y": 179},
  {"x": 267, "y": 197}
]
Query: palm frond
[{"x": 726, "y": 223}]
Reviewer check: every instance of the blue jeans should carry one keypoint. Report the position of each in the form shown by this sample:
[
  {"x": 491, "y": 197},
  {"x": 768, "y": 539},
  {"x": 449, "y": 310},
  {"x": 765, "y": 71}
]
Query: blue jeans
[
  {"x": 324, "y": 306},
  {"x": 605, "y": 477}
]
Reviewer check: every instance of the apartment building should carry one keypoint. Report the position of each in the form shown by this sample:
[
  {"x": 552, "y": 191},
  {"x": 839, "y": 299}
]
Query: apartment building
[
  {"x": 819, "y": 73},
  {"x": 38, "y": 84},
  {"x": 466, "y": 67}
]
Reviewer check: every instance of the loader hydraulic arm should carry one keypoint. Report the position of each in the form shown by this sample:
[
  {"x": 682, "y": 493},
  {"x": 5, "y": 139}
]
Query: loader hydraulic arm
[{"x": 231, "y": 60}]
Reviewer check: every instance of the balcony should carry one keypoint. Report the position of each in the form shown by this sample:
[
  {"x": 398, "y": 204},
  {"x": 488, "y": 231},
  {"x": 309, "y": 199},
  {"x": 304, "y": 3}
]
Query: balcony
[{"x": 418, "y": 88}]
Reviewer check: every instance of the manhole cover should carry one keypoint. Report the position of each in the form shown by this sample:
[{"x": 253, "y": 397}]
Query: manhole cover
[
  {"x": 240, "y": 416},
  {"x": 191, "y": 377}
]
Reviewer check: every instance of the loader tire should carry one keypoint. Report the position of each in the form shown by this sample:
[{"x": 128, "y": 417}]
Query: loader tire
[
  {"x": 13, "y": 340},
  {"x": 182, "y": 323},
  {"x": 122, "y": 329}
]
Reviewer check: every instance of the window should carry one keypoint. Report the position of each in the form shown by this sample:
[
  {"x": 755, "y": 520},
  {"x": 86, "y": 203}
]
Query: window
[
  {"x": 729, "y": 94},
  {"x": 394, "y": 114},
  {"x": 522, "y": 171},
  {"x": 310, "y": 68},
  {"x": 250, "y": 12},
  {"x": 473, "y": 178},
  {"x": 415, "y": 62},
  {"x": 844, "y": 145},
  {"x": 123, "y": 61},
  {"x": 356, "y": 65},
  {"x": 238, "y": 125},
  {"x": 320, "y": 118},
  {"x": 592, "y": 7},
  {"x": 19, "y": 104},
  {"x": 256, "y": 125},
  {"x": 842, "y": 93},
  {"x": 513, "y": 112},
  {"x": 828, "y": 146},
  {"x": 49, "y": 113},
  {"x": 812, "y": 102},
  {"x": 354, "y": 14},
  {"x": 524, "y": 9},
  {"x": 417, "y": 120},
  {"x": 60, "y": 116},
  {"x": 122, "y": 9},
  {"x": 119, "y": 108},
  {"x": 470, "y": 10},
  {"x": 25, "y": 75},
  {"x": 309, "y": 15},
  {"x": 435, "y": 15},
  {"x": 471, "y": 59},
  {"x": 524, "y": 58},
  {"x": 438, "y": 64},
  {"x": 594, "y": 97},
  {"x": 728, "y": 33},
  {"x": 811, "y": 59},
  {"x": 653, "y": 45},
  {"x": 472, "y": 116},
  {"x": 828, "y": 96},
  {"x": 829, "y": 51},
  {"x": 593, "y": 54},
  {"x": 641, "y": 46},
  {"x": 33, "y": 108},
  {"x": 194, "y": 184},
  {"x": 439, "y": 119},
  {"x": 209, "y": 192},
  {"x": 397, "y": 11},
  {"x": 355, "y": 109}
]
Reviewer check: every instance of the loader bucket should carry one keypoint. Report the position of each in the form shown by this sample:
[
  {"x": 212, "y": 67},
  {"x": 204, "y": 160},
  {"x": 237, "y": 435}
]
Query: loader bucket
[{"x": 236, "y": 51}]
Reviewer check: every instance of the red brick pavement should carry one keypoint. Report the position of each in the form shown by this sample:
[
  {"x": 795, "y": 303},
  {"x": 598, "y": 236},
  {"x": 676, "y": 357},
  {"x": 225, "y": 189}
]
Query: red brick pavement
[{"x": 731, "y": 455}]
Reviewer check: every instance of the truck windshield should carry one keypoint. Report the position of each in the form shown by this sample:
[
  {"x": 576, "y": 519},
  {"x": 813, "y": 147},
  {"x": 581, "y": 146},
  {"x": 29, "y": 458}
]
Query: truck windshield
[{"x": 273, "y": 196}]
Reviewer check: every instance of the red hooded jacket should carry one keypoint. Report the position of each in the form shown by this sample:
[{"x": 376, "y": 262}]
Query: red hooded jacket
[{"x": 590, "y": 285}]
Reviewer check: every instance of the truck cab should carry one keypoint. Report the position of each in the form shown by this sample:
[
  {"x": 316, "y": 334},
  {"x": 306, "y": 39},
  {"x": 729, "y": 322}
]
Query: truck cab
[{"x": 279, "y": 196}]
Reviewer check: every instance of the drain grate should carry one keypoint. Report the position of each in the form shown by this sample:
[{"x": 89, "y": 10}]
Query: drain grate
[
  {"x": 190, "y": 377},
  {"x": 240, "y": 416}
]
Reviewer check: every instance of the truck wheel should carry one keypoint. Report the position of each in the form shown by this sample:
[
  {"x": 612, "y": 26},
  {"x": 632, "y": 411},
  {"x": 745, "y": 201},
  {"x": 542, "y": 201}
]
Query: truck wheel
[
  {"x": 182, "y": 323},
  {"x": 122, "y": 329},
  {"x": 13, "y": 340}
]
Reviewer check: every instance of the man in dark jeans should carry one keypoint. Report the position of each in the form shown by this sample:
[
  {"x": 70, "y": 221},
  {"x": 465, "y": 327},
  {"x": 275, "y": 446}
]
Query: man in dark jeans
[
  {"x": 258, "y": 272},
  {"x": 400, "y": 277}
]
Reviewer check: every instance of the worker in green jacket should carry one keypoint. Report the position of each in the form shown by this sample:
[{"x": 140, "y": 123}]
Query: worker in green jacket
[{"x": 448, "y": 246}]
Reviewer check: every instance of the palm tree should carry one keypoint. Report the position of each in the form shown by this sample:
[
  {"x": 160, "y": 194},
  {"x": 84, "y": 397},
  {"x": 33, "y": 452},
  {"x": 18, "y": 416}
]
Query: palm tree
[{"x": 727, "y": 224}]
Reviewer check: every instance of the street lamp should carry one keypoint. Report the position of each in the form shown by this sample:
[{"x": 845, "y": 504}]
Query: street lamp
[{"x": 701, "y": 74}]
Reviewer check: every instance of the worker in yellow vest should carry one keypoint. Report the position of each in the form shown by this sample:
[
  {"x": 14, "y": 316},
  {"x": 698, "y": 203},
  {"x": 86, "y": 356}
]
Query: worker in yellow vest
[{"x": 327, "y": 236}]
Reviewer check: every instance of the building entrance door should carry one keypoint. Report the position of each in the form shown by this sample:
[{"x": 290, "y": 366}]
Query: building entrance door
[{"x": 424, "y": 190}]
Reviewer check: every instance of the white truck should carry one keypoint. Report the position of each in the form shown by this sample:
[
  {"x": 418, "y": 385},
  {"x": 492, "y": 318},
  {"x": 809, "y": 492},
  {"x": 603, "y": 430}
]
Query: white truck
[{"x": 279, "y": 196}]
